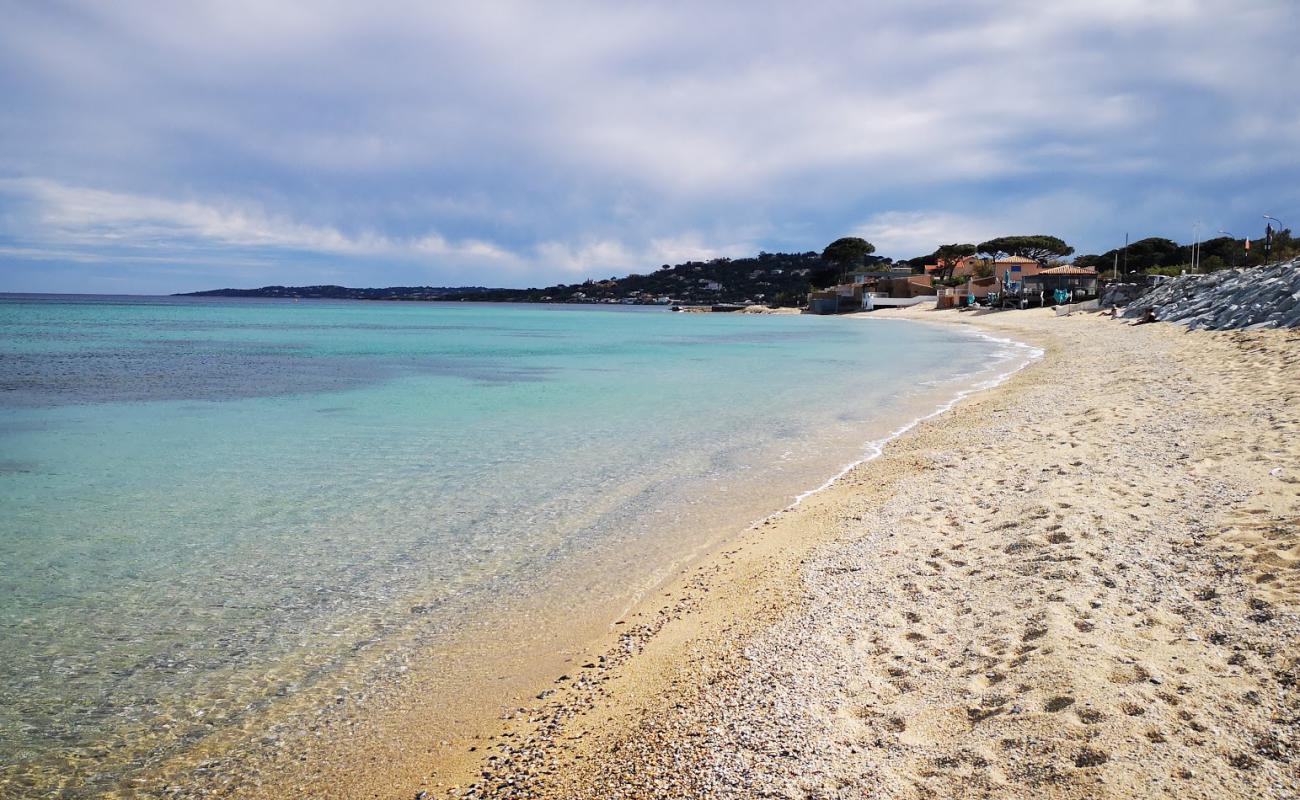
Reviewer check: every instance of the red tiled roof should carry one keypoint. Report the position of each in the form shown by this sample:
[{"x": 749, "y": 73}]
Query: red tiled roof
[{"x": 1068, "y": 269}]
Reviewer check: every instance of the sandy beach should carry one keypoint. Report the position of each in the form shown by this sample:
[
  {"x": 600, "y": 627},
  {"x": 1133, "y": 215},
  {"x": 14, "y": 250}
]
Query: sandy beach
[{"x": 1080, "y": 583}]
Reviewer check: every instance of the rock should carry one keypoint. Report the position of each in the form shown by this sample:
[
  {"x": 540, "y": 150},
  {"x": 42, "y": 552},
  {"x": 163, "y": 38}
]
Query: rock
[
  {"x": 1231, "y": 299},
  {"x": 1120, "y": 294}
]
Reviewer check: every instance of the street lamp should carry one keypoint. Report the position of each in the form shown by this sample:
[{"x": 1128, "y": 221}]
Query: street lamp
[{"x": 1268, "y": 235}]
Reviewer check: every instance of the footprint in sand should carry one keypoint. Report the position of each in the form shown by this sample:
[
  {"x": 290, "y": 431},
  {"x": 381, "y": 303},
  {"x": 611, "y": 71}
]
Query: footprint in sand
[
  {"x": 1088, "y": 757},
  {"x": 1089, "y": 716},
  {"x": 1132, "y": 709},
  {"x": 1129, "y": 674}
]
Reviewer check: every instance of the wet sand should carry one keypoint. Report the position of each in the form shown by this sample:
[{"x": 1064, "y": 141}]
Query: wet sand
[{"x": 1081, "y": 583}]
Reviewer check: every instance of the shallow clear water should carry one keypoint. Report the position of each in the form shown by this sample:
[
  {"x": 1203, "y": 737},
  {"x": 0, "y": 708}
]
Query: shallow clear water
[{"x": 207, "y": 503}]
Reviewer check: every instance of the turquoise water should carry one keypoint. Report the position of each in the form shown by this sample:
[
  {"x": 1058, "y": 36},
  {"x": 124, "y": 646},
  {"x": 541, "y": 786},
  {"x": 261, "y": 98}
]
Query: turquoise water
[{"x": 210, "y": 503}]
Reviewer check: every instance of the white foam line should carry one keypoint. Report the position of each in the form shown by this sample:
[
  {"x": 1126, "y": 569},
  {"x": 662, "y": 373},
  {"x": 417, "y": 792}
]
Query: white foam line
[{"x": 874, "y": 449}]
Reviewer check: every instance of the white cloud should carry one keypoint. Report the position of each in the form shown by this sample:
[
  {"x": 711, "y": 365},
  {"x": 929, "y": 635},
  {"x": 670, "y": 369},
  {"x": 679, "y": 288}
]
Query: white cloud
[
  {"x": 920, "y": 232},
  {"x": 76, "y": 215},
  {"x": 601, "y": 257},
  {"x": 96, "y": 226},
  {"x": 1065, "y": 214},
  {"x": 536, "y": 141}
]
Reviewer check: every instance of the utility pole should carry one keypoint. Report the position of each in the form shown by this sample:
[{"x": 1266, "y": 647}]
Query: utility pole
[
  {"x": 1234, "y": 250},
  {"x": 1196, "y": 247},
  {"x": 1126, "y": 255}
]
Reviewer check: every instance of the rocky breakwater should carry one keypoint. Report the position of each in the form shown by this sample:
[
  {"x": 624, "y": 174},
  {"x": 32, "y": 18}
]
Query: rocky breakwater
[
  {"x": 1121, "y": 294},
  {"x": 1258, "y": 297}
]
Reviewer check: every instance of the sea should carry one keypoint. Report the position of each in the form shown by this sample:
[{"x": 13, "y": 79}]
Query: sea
[{"x": 211, "y": 506}]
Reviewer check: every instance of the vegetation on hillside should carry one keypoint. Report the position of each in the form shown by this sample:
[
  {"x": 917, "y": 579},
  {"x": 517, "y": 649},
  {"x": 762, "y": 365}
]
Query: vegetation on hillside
[
  {"x": 1157, "y": 256},
  {"x": 847, "y": 253},
  {"x": 768, "y": 278},
  {"x": 786, "y": 278}
]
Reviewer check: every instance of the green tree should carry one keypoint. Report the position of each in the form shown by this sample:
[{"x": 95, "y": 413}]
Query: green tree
[
  {"x": 1093, "y": 261},
  {"x": 846, "y": 252},
  {"x": 1150, "y": 253},
  {"x": 948, "y": 256},
  {"x": 1039, "y": 247}
]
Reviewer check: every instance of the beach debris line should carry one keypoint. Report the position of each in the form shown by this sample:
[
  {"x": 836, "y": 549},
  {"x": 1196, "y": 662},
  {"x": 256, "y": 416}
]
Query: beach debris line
[{"x": 1230, "y": 299}]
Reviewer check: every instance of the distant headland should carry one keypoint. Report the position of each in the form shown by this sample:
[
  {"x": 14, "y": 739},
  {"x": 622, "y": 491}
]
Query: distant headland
[{"x": 768, "y": 278}]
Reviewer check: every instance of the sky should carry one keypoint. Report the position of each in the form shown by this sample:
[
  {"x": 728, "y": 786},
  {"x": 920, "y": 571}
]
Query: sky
[{"x": 156, "y": 147}]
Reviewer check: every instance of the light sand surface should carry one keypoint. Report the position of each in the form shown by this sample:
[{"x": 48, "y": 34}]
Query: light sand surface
[{"x": 1082, "y": 583}]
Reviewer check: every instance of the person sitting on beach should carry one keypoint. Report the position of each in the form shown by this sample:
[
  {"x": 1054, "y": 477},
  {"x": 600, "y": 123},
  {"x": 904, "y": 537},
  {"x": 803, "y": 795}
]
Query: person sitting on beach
[{"x": 1150, "y": 316}]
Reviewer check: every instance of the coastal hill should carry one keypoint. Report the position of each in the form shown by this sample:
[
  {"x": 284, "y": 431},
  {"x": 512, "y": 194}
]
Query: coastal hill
[
  {"x": 771, "y": 278},
  {"x": 784, "y": 279},
  {"x": 333, "y": 292}
]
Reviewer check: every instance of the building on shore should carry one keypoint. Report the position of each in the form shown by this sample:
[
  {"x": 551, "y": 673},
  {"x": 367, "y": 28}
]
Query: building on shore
[
  {"x": 979, "y": 288},
  {"x": 869, "y": 289},
  {"x": 1074, "y": 284}
]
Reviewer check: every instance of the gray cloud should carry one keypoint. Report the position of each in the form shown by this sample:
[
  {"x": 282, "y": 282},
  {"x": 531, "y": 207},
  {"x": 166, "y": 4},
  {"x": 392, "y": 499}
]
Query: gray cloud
[{"x": 521, "y": 143}]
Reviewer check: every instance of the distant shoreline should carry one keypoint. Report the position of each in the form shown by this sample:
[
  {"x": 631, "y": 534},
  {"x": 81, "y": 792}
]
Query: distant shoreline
[{"x": 432, "y": 294}]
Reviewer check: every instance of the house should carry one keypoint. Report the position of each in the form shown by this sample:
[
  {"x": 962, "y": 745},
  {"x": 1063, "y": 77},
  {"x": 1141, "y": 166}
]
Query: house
[
  {"x": 911, "y": 286},
  {"x": 895, "y": 282},
  {"x": 873, "y": 275},
  {"x": 979, "y": 288},
  {"x": 1075, "y": 283},
  {"x": 964, "y": 268},
  {"x": 1014, "y": 269},
  {"x": 837, "y": 299}
]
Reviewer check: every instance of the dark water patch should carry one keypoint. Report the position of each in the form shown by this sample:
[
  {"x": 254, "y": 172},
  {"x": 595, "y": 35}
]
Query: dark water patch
[
  {"x": 484, "y": 372},
  {"x": 536, "y": 334},
  {"x": 149, "y": 374},
  {"x": 750, "y": 337},
  {"x": 199, "y": 347},
  {"x": 18, "y": 467},
  {"x": 16, "y": 426},
  {"x": 58, "y": 328},
  {"x": 158, "y": 373}
]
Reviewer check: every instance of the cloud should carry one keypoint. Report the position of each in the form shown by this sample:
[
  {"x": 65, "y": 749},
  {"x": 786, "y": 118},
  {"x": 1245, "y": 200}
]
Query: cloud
[
  {"x": 511, "y": 142},
  {"x": 95, "y": 218},
  {"x": 1064, "y": 213},
  {"x": 90, "y": 225},
  {"x": 587, "y": 258}
]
